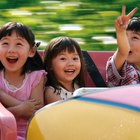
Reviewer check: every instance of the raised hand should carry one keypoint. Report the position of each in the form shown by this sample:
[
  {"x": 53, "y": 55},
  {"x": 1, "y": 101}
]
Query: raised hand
[{"x": 122, "y": 21}]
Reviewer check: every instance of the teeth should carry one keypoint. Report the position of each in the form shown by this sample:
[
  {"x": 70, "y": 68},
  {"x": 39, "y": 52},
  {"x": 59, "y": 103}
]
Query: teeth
[
  {"x": 12, "y": 58},
  {"x": 69, "y": 70}
]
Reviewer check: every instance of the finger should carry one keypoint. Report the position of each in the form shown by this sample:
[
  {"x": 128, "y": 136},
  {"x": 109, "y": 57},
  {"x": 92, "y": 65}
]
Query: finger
[
  {"x": 37, "y": 102},
  {"x": 38, "y": 107},
  {"x": 132, "y": 13},
  {"x": 32, "y": 100},
  {"x": 123, "y": 10},
  {"x": 119, "y": 20}
]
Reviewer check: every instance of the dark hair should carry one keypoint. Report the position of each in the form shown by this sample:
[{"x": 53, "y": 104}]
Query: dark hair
[
  {"x": 56, "y": 46},
  {"x": 32, "y": 64},
  {"x": 134, "y": 24}
]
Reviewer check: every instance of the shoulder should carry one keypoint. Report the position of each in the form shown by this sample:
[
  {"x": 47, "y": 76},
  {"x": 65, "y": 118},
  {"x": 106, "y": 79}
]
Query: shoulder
[
  {"x": 36, "y": 77},
  {"x": 37, "y": 73},
  {"x": 49, "y": 89},
  {"x": 51, "y": 95}
]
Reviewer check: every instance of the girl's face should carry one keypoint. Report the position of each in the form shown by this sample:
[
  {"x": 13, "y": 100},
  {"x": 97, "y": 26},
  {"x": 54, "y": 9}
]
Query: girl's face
[
  {"x": 14, "y": 51},
  {"x": 66, "y": 66}
]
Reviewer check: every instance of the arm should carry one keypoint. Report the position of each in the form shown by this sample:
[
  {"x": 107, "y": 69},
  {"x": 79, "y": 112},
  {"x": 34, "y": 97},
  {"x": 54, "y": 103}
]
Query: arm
[
  {"x": 7, "y": 100},
  {"x": 38, "y": 93},
  {"x": 29, "y": 107},
  {"x": 25, "y": 109},
  {"x": 123, "y": 44},
  {"x": 16, "y": 107},
  {"x": 51, "y": 96}
]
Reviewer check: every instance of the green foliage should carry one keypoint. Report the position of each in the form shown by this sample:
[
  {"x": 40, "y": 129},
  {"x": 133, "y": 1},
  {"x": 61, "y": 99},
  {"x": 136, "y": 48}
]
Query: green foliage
[{"x": 84, "y": 20}]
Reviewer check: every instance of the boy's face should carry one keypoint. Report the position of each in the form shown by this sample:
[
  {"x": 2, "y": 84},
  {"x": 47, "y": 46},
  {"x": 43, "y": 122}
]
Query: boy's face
[{"x": 134, "y": 41}]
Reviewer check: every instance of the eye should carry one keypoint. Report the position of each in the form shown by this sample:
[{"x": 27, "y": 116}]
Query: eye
[
  {"x": 76, "y": 58},
  {"x": 135, "y": 38},
  {"x": 5, "y": 43},
  {"x": 62, "y": 58},
  {"x": 19, "y": 44}
]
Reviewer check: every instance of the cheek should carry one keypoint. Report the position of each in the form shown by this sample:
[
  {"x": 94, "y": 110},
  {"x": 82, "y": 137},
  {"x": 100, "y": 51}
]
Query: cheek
[
  {"x": 2, "y": 53},
  {"x": 57, "y": 67},
  {"x": 136, "y": 49},
  {"x": 78, "y": 66},
  {"x": 57, "y": 71},
  {"x": 135, "y": 45}
]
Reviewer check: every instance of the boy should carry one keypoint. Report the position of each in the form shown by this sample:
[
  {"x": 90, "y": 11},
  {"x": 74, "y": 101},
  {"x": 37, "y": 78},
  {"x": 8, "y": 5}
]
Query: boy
[{"x": 123, "y": 68}]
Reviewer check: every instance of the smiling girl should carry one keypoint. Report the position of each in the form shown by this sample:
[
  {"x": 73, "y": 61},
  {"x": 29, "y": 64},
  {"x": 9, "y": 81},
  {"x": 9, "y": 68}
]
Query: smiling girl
[
  {"x": 21, "y": 73},
  {"x": 64, "y": 64}
]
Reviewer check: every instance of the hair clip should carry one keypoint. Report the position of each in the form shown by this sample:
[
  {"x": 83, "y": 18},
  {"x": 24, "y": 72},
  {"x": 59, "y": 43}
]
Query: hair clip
[{"x": 37, "y": 44}]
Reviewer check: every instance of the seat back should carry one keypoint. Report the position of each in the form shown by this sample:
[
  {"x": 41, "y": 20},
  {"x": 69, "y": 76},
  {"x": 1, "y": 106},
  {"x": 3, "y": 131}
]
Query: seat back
[{"x": 100, "y": 58}]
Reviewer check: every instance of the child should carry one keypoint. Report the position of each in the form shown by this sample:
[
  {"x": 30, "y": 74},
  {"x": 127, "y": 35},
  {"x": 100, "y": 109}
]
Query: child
[
  {"x": 21, "y": 73},
  {"x": 123, "y": 68},
  {"x": 64, "y": 64}
]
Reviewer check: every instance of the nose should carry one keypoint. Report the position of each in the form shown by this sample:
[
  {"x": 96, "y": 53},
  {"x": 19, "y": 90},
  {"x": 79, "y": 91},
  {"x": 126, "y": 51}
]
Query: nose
[
  {"x": 130, "y": 41},
  {"x": 70, "y": 62},
  {"x": 11, "y": 49}
]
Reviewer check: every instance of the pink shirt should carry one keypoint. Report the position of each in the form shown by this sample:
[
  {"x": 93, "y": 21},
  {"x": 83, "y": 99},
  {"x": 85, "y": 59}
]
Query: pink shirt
[
  {"x": 22, "y": 93},
  {"x": 128, "y": 75}
]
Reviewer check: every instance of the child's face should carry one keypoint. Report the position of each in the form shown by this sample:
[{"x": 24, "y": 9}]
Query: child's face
[
  {"x": 66, "y": 66},
  {"x": 14, "y": 51},
  {"x": 134, "y": 41}
]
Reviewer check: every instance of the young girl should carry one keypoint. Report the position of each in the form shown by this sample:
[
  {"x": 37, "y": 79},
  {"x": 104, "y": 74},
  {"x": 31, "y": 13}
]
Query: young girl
[
  {"x": 21, "y": 73},
  {"x": 123, "y": 68},
  {"x": 64, "y": 64}
]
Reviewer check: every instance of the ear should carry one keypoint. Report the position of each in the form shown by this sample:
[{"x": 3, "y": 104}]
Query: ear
[{"x": 32, "y": 52}]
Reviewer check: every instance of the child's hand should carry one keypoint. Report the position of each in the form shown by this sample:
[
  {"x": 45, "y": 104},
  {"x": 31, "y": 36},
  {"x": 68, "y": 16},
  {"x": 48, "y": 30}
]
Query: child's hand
[
  {"x": 122, "y": 21},
  {"x": 29, "y": 107}
]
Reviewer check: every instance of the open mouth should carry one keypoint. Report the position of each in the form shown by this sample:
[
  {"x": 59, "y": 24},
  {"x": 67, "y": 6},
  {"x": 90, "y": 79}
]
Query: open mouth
[
  {"x": 69, "y": 71},
  {"x": 12, "y": 60}
]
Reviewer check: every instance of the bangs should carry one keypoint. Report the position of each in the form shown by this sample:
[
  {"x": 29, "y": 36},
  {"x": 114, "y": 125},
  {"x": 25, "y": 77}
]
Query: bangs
[
  {"x": 19, "y": 33},
  {"x": 20, "y": 29},
  {"x": 8, "y": 30},
  {"x": 64, "y": 45}
]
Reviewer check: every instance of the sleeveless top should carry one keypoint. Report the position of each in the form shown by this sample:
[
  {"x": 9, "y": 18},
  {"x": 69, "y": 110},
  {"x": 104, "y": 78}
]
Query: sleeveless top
[
  {"x": 64, "y": 94},
  {"x": 22, "y": 93}
]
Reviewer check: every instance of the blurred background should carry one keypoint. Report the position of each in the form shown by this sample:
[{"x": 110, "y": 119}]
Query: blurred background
[{"x": 90, "y": 22}]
